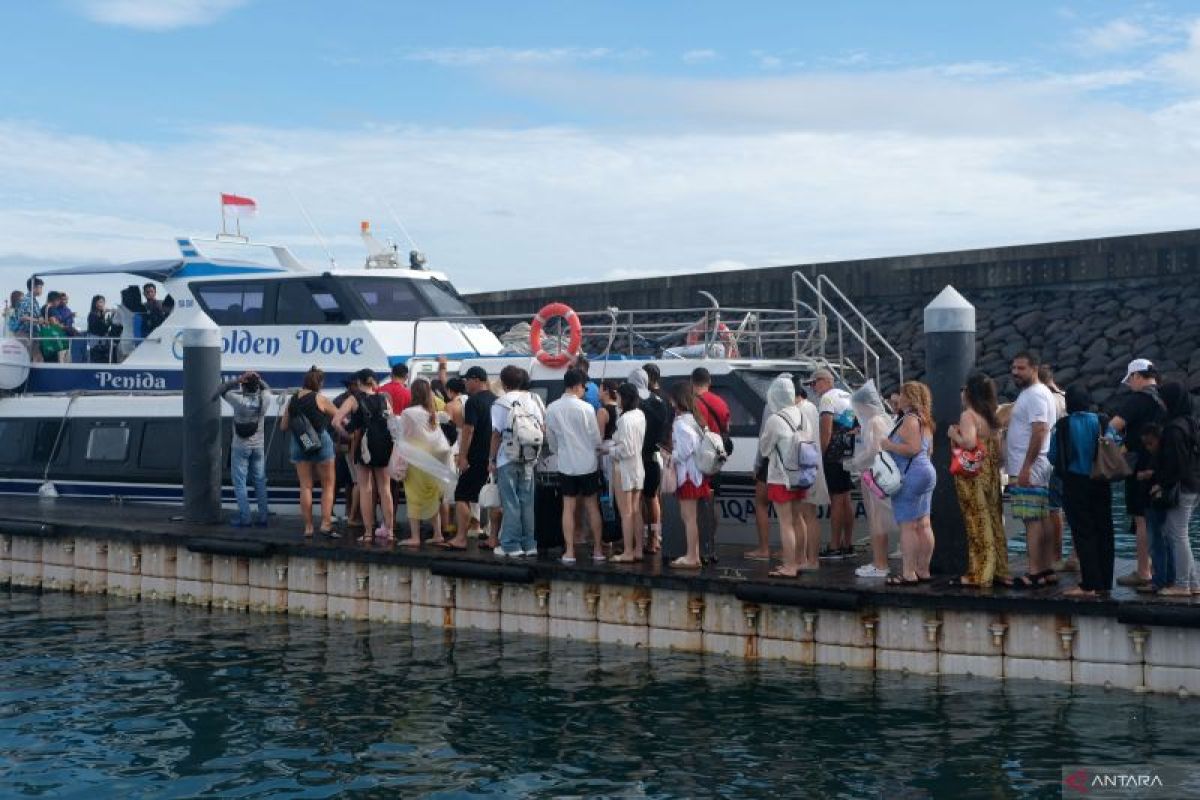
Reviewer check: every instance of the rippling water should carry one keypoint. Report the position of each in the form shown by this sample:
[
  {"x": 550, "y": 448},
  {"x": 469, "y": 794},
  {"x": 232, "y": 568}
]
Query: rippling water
[{"x": 106, "y": 698}]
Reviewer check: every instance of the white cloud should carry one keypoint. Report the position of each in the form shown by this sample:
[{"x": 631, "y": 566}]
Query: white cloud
[
  {"x": 700, "y": 56},
  {"x": 157, "y": 15},
  {"x": 481, "y": 56},
  {"x": 1116, "y": 36},
  {"x": 1183, "y": 65}
]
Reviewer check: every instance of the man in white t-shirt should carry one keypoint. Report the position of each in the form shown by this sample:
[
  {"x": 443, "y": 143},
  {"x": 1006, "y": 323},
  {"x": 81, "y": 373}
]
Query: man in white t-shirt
[
  {"x": 515, "y": 478},
  {"x": 1029, "y": 466},
  {"x": 836, "y": 422},
  {"x": 573, "y": 436}
]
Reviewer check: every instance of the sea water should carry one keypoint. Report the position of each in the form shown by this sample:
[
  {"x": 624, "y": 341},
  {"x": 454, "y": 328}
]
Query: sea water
[{"x": 102, "y": 697}]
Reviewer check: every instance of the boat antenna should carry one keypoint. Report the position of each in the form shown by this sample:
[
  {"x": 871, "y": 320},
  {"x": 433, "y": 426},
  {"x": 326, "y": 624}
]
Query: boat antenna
[
  {"x": 315, "y": 230},
  {"x": 416, "y": 258}
]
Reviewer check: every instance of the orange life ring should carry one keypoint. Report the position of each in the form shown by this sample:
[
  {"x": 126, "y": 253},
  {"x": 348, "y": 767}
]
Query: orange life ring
[
  {"x": 549, "y": 312},
  {"x": 698, "y": 334}
]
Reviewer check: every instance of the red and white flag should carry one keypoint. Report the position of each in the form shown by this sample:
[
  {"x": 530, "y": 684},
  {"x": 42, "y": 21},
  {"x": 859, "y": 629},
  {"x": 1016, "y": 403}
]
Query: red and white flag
[{"x": 238, "y": 206}]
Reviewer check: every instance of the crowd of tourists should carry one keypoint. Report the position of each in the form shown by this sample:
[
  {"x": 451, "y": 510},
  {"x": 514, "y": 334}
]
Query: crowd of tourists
[
  {"x": 477, "y": 456},
  {"x": 48, "y": 329}
]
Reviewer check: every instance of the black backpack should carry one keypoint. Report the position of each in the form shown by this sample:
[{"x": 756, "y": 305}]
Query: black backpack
[{"x": 375, "y": 423}]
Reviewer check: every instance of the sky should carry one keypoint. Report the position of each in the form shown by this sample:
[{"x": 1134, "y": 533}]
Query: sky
[{"x": 533, "y": 143}]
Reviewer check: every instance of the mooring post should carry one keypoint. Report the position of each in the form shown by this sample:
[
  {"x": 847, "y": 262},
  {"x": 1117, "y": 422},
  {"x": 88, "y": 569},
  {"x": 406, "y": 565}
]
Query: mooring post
[
  {"x": 949, "y": 358},
  {"x": 202, "y": 423}
]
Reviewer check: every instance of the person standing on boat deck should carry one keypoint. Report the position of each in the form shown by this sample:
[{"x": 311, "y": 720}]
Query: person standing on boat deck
[
  {"x": 837, "y": 422},
  {"x": 63, "y": 315},
  {"x": 979, "y": 496},
  {"x": 1175, "y": 488},
  {"x": 55, "y": 344},
  {"x": 818, "y": 494},
  {"x": 1142, "y": 407},
  {"x": 397, "y": 389},
  {"x": 317, "y": 411},
  {"x": 12, "y": 323},
  {"x": 29, "y": 312},
  {"x": 573, "y": 435},
  {"x": 249, "y": 397},
  {"x": 1029, "y": 468},
  {"x": 784, "y": 423},
  {"x": 472, "y": 459},
  {"x": 909, "y": 444},
  {"x": 691, "y": 485},
  {"x": 101, "y": 332},
  {"x": 628, "y": 473},
  {"x": 876, "y": 425},
  {"x": 1087, "y": 502},
  {"x": 368, "y": 413},
  {"x": 422, "y": 491},
  {"x": 655, "y": 411},
  {"x": 713, "y": 412},
  {"x": 155, "y": 313},
  {"x": 517, "y": 418}
]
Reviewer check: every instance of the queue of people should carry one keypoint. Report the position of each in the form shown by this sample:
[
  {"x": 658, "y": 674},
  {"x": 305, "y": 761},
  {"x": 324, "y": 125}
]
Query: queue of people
[
  {"x": 49, "y": 328},
  {"x": 471, "y": 461}
]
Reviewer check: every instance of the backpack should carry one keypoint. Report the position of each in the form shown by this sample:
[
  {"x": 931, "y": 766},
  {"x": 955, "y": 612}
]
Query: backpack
[
  {"x": 302, "y": 428},
  {"x": 522, "y": 440},
  {"x": 800, "y": 457},
  {"x": 710, "y": 453},
  {"x": 841, "y": 438},
  {"x": 376, "y": 435},
  {"x": 726, "y": 439},
  {"x": 885, "y": 476}
]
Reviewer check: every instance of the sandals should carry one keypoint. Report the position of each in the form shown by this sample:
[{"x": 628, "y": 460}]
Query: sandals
[
  {"x": 961, "y": 583},
  {"x": 896, "y": 579},
  {"x": 780, "y": 572},
  {"x": 683, "y": 563},
  {"x": 1035, "y": 580}
]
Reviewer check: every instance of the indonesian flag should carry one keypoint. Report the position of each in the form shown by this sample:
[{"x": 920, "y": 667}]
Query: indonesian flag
[{"x": 238, "y": 206}]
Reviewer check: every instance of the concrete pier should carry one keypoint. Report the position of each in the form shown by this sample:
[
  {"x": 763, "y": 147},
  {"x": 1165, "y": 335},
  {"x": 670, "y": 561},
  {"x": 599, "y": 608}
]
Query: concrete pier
[{"x": 828, "y": 618}]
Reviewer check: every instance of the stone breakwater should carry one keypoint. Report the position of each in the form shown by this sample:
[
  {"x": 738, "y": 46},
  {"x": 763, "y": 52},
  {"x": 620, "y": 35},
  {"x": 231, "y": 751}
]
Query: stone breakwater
[{"x": 1087, "y": 333}]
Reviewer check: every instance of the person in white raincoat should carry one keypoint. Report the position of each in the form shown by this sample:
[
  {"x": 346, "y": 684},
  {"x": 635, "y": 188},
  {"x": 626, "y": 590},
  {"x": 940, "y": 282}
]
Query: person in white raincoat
[
  {"x": 818, "y": 495},
  {"x": 628, "y": 472},
  {"x": 783, "y": 423},
  {"x": 876, "y": 424}
]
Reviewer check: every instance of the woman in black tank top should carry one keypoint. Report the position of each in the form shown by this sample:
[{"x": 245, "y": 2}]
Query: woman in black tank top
[
  {"x": 368, "y": 412},
  {"x": 607, "y": 415},
  {"x": 312, "y": 464}
]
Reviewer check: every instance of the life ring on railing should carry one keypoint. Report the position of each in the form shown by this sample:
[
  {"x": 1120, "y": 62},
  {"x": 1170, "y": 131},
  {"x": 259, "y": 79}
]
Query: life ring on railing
[
  {"x": 549, "y": 312},
  {"x": 698, "y": 334}
]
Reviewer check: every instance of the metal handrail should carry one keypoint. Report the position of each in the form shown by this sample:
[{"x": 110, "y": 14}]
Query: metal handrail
[
  {"x": 824, "y": 279},
  {"x": 843, "y": 324}
]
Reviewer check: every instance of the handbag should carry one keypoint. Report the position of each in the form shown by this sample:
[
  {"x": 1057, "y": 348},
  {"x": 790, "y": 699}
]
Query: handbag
[
  {"x": 1110, "y": 463},
  {"x": 1166, "y": 499},
  {"x": 885, "y": 475},
  {"x": 489, "y": 495},
  {"x": 669, "y": 482},
  {"x": 967, "y": 463}
]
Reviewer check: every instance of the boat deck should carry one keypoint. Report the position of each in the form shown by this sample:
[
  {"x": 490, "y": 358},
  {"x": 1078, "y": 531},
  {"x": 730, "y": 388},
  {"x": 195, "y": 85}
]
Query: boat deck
[{"x": 834, "y": 586}]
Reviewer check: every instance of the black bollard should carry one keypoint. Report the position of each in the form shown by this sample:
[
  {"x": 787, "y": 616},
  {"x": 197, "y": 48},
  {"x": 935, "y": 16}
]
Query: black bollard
[
  {"x": 949, "y": 358},
  {"x": 202, "y": 425}
]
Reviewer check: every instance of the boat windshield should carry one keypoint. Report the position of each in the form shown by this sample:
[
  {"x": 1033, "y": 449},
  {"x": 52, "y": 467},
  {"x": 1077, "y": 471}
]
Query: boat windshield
[{"x": 400, "y": 300}]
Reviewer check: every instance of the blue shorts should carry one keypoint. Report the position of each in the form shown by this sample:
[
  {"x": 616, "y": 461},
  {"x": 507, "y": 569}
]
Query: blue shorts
[{"x": 317, "y": 456}]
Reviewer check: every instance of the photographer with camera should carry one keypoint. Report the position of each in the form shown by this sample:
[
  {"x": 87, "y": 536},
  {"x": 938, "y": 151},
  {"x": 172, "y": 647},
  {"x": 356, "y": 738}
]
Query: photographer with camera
[{"x": 249, "y": 396}]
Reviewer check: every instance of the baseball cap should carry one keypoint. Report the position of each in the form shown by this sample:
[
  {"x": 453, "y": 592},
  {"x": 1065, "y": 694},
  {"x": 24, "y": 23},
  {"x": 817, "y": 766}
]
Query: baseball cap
[
  {"x": 1137, "y": 365},
  {"x": 819, "y": 374},
  {"x": 476, "y": 373}
]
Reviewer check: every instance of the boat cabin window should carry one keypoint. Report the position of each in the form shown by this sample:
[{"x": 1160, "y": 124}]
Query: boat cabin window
[
  {"x": 162, "y": 444},
  {"x": 50, "y": 441},
  {"x": 389, "y": 299},
  {"x": 443, "y": 298},
  {"x": 234, "y": 303},
  {"x": 108, "y": 443},
  {"x": 308, "y": 302}
]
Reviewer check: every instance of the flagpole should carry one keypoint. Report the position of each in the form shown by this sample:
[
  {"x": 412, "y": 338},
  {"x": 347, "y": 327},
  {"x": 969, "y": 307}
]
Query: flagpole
[{"x": 221, "y": 198}]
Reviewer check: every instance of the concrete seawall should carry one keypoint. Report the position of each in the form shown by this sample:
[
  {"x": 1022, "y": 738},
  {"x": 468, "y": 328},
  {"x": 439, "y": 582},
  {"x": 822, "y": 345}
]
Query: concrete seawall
[
  {"x": 1086, "y": 306},
  {"x": 828, "y": 619}
]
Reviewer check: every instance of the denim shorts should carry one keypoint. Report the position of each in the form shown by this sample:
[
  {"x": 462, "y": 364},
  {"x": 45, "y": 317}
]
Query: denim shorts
[{"x": 317, "y": 456}]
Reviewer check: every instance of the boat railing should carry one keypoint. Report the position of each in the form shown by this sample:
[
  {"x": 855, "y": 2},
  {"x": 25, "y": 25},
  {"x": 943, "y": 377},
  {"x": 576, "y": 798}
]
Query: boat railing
[
  {"x": 854, "y": 348},
  {"x": 83, "y": 347},
  {"x": 710, "y": 331}
]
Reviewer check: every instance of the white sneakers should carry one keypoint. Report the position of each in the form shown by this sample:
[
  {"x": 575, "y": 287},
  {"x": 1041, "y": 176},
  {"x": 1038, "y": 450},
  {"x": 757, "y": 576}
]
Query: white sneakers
[
  {"x": 870, "y": 571},
  {"x": 499, "y": 552}
]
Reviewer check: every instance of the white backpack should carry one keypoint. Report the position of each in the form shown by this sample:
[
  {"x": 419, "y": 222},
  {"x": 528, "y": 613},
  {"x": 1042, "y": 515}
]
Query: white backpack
[
  {"x": 522, "y": 440},
  {"x": 799, "y": 455},
  {"x": 710, "y": 453}
]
